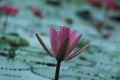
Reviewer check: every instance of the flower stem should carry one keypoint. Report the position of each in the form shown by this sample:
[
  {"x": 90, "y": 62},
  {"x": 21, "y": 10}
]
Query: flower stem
[
  {"x": 57, "y": 70},
  {"x": 5, "y": 24}
]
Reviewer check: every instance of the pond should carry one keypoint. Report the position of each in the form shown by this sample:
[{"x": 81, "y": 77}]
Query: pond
[{"x": 23, "y": 58}]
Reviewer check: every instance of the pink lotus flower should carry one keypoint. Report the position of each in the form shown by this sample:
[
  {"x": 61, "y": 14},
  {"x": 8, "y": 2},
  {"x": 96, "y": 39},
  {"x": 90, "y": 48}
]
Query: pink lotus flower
[
  {"x": 112, "y": 5},
  {"x": 62, "y": 43},
  {"x": 37, "y": 12},
  {"x": 8, "y": 10}
]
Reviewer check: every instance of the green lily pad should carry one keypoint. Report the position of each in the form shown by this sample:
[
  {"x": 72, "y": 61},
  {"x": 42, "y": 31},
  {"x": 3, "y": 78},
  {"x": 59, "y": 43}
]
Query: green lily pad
[{"x": 13, "y": 40}]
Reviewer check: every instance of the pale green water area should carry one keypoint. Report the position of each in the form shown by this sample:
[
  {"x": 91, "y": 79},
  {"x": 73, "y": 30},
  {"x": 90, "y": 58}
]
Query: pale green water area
[{"x": 23, "y": 58}]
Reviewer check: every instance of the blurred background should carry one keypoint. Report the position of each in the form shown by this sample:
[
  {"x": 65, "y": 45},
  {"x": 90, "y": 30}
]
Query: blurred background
[{"x": 23, "y": 58}]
